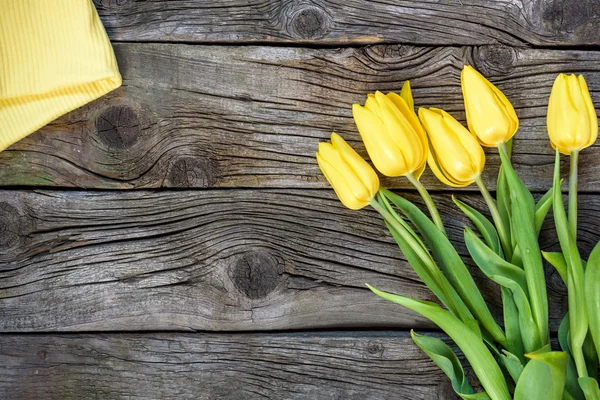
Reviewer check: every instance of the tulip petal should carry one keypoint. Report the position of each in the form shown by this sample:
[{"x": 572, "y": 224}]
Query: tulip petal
[
  {"x": 419, "y": 171},
  {"x": 591, "y": 111},
  {"x": 406, "y": 94},
  {"x": 510, "y": 110},
  {"x": 437, "y": 171},
  {"x": 360, "y": 167},
  {"x": 413, "y": 120},
  {"x": 582, "y": 123},
  {"x": 332, "y": 156},
  {"x": 339, "y": 184},
  {"x": 563, "y": 118},
  {"x": 400, "y": 131},
  {"x": 468, "y": 142},
  {"x": 372, "y": 105},
  {"x": 446, "y": 142},
  {"x": 487, "y": 115},
  {"x": 388, "y": 159}
]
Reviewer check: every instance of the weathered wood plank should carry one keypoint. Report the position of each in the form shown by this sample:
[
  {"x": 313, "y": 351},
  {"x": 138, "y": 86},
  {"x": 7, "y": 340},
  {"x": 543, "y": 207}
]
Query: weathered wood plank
[
  {"x": 211, "y": 116},
  {"x": 341, "y": 22},
  {"x": 215, "y": 260},
  {"x": 337, "y": 365}
]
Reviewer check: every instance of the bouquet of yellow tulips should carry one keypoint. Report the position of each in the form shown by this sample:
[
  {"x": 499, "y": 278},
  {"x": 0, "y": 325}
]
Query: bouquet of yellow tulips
[{"x": 512, "y": 360}]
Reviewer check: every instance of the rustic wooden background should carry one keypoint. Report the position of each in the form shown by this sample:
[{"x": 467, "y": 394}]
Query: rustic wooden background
[{"x": 175, "y": 239}]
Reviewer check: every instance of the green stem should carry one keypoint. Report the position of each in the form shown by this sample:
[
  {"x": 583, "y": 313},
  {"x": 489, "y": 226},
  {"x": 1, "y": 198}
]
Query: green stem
[
  {"x": 433, "y": 211},
  {"x": 491, "y": 203},
  {"x": 503, "y": 147},
  {"x": 411, "y": 240},
  {"x": 579, "y": 359},
  {"x": 573, "y": 194}
]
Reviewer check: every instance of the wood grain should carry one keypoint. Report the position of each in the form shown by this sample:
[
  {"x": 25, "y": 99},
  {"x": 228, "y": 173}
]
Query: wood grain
[
  {"x": 216, "y": 260},
  {"x": 342, "y": 22},
  {"x": 212, "y": 116},
  {"x": 163, "y": 366}
]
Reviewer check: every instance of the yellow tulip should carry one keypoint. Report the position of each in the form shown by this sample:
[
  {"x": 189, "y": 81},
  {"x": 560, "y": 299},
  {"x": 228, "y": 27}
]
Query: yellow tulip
[
  {"x": 455, "y": 156},
  {"x": 490, "y": 116},
  {"x": 572, "y": 120},
  {"x": 394, "y": 137},
  {"x": 353, "y": 179}
]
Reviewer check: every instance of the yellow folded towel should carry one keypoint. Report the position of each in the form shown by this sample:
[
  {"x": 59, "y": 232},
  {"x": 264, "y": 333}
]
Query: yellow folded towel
[{"x": 55, "y": 56}]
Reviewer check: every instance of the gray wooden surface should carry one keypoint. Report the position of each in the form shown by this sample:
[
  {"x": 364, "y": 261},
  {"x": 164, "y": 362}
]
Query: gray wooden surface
[
  {"x": 246, "y": 116},
  {"x": 232, "y": 229},
  {"x": 166, "y": 366},
  {"x": 215, "y": 260}
]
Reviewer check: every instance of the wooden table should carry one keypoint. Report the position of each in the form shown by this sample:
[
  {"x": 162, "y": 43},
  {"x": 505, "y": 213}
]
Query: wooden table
[{"x": 176, "y": 240}]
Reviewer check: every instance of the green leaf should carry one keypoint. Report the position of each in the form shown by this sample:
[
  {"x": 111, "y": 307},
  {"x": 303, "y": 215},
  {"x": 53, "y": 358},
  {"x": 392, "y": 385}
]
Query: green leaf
[
  {"x": 514, "y": 341},
  {"x": 557, "y": 260},
  {"x": 450, "y": 263},
  {"x": 510, "y": 277},
  {"x": 563, "y": 334},
  {"x": 485, "y": 227},
  {"x": 543, "y": 377},
  {"x": 483, "y": 363},
  {"x": 590, "y": 388},
  {"x": 571, "y": 385},
  {"x": 475, "y": 396},
  {"x": 575, "y": 276},
  {"x": 592, "y": 295},
  {"x": 516, "y": 257},
  {"x": 523, "y": 223},
  {"x": 568, "y": 396},
  {"x": 591, "y": 355},
  {"x": 444, "y": 357},
  {"x": 513, "y": 365},
  {"x": 385, "y": 203},
  {"x": 423, "y": 264},
  {"x": 541, "y": 210},
  {"x": 431, "y": 276}
]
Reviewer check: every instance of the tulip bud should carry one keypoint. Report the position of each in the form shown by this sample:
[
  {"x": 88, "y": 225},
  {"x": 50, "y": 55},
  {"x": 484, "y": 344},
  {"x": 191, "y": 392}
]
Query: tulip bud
[
  {"x": 394, "y": 137},
  {"x": 490, "y": 116},
  {"x": 572, "y": 120},
  {"x": 353, "y": 179},
  {"x": 455, "y": 157}
]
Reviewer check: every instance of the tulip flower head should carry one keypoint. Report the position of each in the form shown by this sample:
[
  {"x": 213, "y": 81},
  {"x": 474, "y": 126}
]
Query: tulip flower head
[
  {"x": 353, "y": 179},
  {"x": 572, "y": 121},
  {"x": 394, "y": 137},
  {"x": 455, "y": 156},
  {"x": 490, "y": 116}
]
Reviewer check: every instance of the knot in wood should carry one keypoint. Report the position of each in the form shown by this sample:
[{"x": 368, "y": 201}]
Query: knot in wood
[
  {"x": 118, "y": 127},
  {"x": 256, "y": 274},
  {"x": 10, "y": 226},
  {"x": 375, "y": 349},
  {"x": 495, "y": 59},
  {"x": 386, "y": 53},
  {"x": 192, "y": 172},
  {"x": 307, "y": 21}
]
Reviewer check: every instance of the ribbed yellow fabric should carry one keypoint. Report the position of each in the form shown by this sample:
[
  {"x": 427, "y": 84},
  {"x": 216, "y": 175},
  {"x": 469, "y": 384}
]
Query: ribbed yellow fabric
[{"x": 55, "y": 56}]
